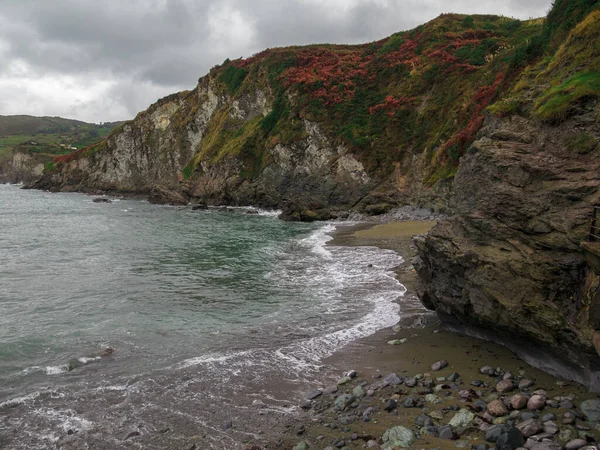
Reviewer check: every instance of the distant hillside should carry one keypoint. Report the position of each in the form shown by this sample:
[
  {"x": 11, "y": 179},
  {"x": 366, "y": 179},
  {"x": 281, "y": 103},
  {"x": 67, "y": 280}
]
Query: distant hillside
[{"x": 39, "y": 139}]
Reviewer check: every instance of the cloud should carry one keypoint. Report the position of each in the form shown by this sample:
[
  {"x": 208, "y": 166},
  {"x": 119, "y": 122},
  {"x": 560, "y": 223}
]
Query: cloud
[{"x": 100, "y": 61}]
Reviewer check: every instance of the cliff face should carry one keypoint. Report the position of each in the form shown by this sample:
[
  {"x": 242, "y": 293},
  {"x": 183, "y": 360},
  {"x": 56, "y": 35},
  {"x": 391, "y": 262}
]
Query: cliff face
[
  {"x": 509, "y": 266},
  {"x": 314, "y": 129}
]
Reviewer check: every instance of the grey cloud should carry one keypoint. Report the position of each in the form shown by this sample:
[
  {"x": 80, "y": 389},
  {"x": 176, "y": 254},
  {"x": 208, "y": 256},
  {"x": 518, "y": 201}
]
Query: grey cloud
[{"x": 149, "y": 47}]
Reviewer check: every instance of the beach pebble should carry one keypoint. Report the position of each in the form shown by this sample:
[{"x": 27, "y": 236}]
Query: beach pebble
[
  {"x": 399, "y": 436},
  {"x": 390, "y": 405},
  {"x": 548, "y": 417},
  {"x": 392, "y": 379},
  {"x": 519, "y": 401},
  {"x": 487, "y": 370},
  {"x": 575, "y": 444},
  {"x": 497, "y": 408},
  {"x": 536, "y": 402},
  {"x": 330, "y": 390},
  {"x": 477, "y": 383},
  {"x": 302, "y": 445},
  {"x": 439, "y": 365},
  {"x": 530, "y": 427},
  {"x": 550, "y": 428},
  {"x": 410, "y": 382},
  {"x": 510, "y": 440},
  {"x": 314, "y": 394},
  {"x": 352, "y": 374},
  {"x": 446, "y": 433},
  {"x": 525, "y": 383},
  {"x": 505, "y": 386},
  {"x": 343, "y": 401},
  {"x": 453, "y": 377}
]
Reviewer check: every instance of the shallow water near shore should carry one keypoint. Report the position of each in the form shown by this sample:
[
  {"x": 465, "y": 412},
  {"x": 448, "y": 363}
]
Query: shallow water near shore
[{"x": 218, "y": 319}]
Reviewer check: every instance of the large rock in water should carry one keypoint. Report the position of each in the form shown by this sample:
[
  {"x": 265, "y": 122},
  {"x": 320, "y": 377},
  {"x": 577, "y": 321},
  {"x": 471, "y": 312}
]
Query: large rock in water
[
  {"x": 508, "y": 265},
  {"x": 161, "y": 195}
]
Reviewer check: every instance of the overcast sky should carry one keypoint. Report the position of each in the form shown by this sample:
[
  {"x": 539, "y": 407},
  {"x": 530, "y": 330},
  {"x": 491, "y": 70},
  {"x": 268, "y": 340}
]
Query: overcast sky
[{"x": 105, "y": 60}]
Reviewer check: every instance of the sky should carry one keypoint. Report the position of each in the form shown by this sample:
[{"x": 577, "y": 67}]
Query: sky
[{"x": 106, "y": 60}]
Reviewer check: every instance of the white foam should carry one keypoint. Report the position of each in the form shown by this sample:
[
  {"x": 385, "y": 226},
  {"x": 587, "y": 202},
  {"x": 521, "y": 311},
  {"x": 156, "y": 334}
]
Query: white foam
[
  {"x": 86, "y": 360},
  {"x": 19, "y": 400},
  {"x": 55, "y": 370}
]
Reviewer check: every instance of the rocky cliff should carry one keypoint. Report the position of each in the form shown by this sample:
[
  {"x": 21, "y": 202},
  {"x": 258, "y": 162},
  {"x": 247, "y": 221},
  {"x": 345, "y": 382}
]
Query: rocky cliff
[
  {"x": 314, "y": 129},
  {"x": 509, "y": 266}
]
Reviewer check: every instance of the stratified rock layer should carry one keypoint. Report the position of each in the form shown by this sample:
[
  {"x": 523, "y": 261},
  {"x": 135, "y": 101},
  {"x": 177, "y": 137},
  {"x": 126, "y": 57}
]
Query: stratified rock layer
[{"x": 508, "y": 266}]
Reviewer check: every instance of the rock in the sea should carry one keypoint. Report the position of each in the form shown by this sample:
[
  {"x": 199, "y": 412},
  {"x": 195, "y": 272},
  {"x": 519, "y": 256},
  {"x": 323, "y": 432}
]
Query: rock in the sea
[
  {"x": 505, "y": 386},
  {"x": 439, "y": 365},
  {"x": 314, "y": 394},
  {"x": 497, "y": 408},
  {"x": 462, "y": 419},
  {"x": 162, "y": 196},
  {"x": 399, "y": 436},
  {"x": 102, "y": 200},
  {"x": 536, "y": 402},
  {"x": 199, "y": 207},
  {"x": 519, "y": 401},
  {"x": 510, "y": 440},
  {"x": 330, "y": 390},
  {"x": 591, "y": 410},
  {"x": 397, "y": 341},
  {"x": 343, "y": 401},
  {"x": 227, "y": 425},
  {"x": 530, "y": 427}
]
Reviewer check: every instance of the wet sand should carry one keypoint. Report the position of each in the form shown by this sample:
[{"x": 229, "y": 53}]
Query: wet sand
[{"x": 426, "y": 342}]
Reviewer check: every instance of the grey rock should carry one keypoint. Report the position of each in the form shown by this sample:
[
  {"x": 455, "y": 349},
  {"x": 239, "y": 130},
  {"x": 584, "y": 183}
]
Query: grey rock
[
  {"x": 358, "y": 392},
  {"x": 398, "y": 437},
  {"x": 536, "y": 402},
  {"x": 462, "y": 419},
  {"x": 576, "y": 444},
  {"x": 494, "y": 432},
  {"x": 390, "y": 405},
  {"x": 392, "y": 380},
  {"x": 410, "y": 382},
  {"x": 525, "y": 384},
  {"x": 302, "y": 445},
  {"x": 550, "y": 427},
  {"x": 591, "y": 410},
  {"x": 511, "y": 440},
  {"x": 487, "y": 370},
  {"x": 439, "y": 365},
  {"x": 453, "y": 377},
  {"x": 314, "y": 394},
  {"x": 226, "y": 425},
  {"x": 343, "y": 401},
  {"x": 477, "y": 383},
  {"x": 330, "y": 390},
  {"x": 409, "y": 402},
  {"x": 548, "y": 417},
  {"x": 445, "y": 433},
  {"x": 530, "y": 427}
]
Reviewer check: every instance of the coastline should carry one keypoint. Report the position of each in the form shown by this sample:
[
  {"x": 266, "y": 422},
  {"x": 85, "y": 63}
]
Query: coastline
[{"x": 425, "y": 342}]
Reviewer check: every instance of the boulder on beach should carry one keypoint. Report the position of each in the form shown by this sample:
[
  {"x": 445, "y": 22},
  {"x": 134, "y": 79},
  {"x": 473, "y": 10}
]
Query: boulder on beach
[{"x": 398, "y": 437}]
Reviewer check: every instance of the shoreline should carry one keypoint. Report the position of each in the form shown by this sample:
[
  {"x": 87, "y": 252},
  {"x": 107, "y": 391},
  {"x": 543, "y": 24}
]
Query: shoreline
[{"x": 425, "y": 342}]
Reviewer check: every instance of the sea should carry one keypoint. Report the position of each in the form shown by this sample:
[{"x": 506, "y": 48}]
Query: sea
[{"x": 219, "y": 319}]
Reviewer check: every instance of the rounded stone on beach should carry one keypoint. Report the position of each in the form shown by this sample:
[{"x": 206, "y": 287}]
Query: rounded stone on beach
[
  {"x": 505, "y": 386},
  {"x": 519, "y": 401},
  {"x": 530, "y": 427},
  {"x": 536, "y": 402},
  {"x": 497, "y": 408},
  {"x": 439, "y": 365}
]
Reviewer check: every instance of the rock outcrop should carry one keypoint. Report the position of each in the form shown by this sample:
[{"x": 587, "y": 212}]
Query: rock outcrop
[{"x": 509, "y": 265}]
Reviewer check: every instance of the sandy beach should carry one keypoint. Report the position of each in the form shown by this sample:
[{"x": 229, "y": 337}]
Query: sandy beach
[{"x": 420, "y": 342}]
